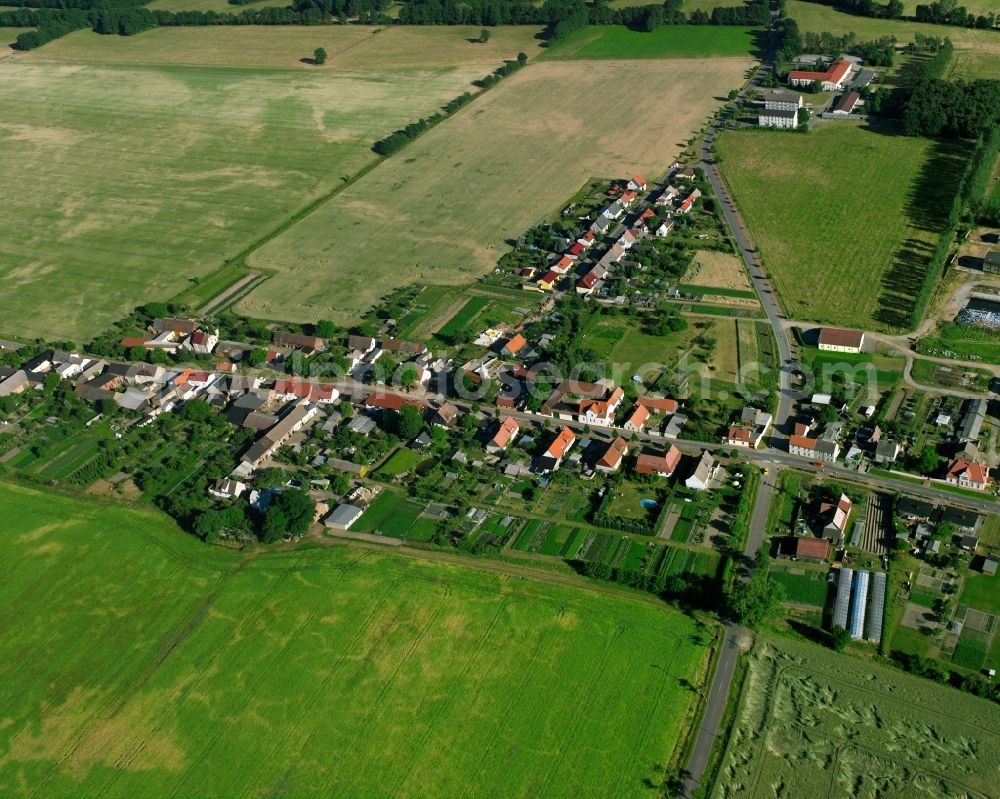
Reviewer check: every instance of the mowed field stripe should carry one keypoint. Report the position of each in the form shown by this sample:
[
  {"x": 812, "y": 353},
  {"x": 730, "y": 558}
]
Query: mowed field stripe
[{"x": 454, "y": 196}]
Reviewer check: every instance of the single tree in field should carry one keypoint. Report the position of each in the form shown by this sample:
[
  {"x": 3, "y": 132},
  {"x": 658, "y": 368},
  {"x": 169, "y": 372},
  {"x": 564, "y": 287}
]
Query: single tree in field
[
  {"x": 319, "y": 56},
  {"x": 484, "y": 35}
]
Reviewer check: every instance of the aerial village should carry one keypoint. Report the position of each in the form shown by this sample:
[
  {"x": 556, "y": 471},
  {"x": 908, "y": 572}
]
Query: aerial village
[{"x": 477, "y": 444}]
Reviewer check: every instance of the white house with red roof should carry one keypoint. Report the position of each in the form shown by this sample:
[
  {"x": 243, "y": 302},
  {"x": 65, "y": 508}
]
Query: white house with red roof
[
  {"x": 551, "y": 459},
  {"x": 660, "y": 465},
  {"x": 601, "y": 411},
  {"x": 833, "y": 79},
  {"x": 613, "y": 456},
  {"x": 689, "y": 201},
  {"x": 636, "y": 422},
  {"x": 637, "y": 183},
  {"x": 968, "y": 474},
  {"x": 503, "y": 436}
]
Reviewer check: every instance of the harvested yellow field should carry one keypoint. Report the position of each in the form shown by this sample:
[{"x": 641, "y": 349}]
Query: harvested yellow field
[
  {"x": 441, "y": 210},
  {"x": 351, "y": 47},
  {"x": 719, "y": 270}
]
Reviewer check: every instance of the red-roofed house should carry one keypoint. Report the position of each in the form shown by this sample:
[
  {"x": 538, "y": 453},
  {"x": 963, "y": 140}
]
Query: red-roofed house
[
  {"x": 638, "y": 183},
  {"x": 575, "y": 250},
  {"x": 637, "y": 421},
  {"x": 504, "y": 435},
  {"x": 628, "y": 198},
  {"x": 551, "y": 459},
  {"x": 660, "y": 465},
  {"x": 383, "y": 401},
  {"x": 288, "y": 390},
  {"x": 612, "y": 458},
  {"x": 832, "y": 79},
  {"x": 587, "y": 238},
  {"x": 968, "y": 474},
  {"x": 688, "y": 203},
  {"x": 548, "y": 281},
  {"x": 601, "y": 412},
  {"x": 134, "y": 341},
  {"x": 563, "y": 265},
  {"x": 514, "y": 345},
  {"x": 661, "y": 405},
  {"x": 586, "y": 284}
]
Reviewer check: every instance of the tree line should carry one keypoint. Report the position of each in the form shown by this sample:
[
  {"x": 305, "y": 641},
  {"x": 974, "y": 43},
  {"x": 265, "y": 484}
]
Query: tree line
[
  {"x": 971, "y": 189},
  {"x": 940, "y": 12},
  {"x": 398, "y": 139}
]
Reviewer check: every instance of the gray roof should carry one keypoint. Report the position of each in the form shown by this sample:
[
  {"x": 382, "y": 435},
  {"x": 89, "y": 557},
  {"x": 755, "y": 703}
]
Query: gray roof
[
  {"x": 361, "y": 424},
  {"x": 993, "y": 258},
  {"x": 779, "y": 96},
  {"x": 972, "y": 422},
  {"x": 343, "y": 516}
]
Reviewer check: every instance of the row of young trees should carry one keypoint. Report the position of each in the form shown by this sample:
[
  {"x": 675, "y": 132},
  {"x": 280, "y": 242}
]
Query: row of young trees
[{"x": 396, "y": 140}]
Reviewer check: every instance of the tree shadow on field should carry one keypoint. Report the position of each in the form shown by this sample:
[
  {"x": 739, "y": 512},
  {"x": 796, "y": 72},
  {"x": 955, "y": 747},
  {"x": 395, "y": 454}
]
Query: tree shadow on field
[
  {"x": 901, "y": 283},
  {"x": 810, "y": 633},
  {"x": 925, "y": 207},
  {"x": 759, "y": 43}
]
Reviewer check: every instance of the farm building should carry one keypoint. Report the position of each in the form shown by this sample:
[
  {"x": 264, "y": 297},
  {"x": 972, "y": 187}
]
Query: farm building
[
  {"x": 814, "y": 549},
  {"x": 846, "y": 104},
  {"x": 832, "y": 79},
  {"x": 835, "y": 339},
  {"x": 343, "y": 516},
  {"x": 972, "y": 421},
  {"x": 877, "y": 610},
  {"x": 842, "y": 607},
  {"x": 859, "y": 602},
  {"x": 991, "y": 263},
  {"x": 660, "y": 465}
]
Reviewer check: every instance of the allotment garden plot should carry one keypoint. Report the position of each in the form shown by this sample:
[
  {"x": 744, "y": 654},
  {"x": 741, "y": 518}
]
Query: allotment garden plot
[
  {"x": 132, "y": 181},
  {"x": 815, "y": 723},
  {"x": 442, "y": 210},
  {"x": 139, "y": 661}
]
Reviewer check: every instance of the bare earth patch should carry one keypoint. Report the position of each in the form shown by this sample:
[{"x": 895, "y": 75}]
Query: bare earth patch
[{"x": 441, "y": 210}]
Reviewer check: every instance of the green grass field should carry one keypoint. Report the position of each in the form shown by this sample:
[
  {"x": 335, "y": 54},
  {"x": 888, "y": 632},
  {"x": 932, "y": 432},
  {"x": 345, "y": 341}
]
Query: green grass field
[
  {"x": 137, "y": 177},
  {"x": 977, "y": 52},
  {"x": 141, "y": 662},
  {"x": 451, "y": 199},
  {"x": 814, "y": 723},
  {"x": 402, "y": 460},
  {"x": 801, "y": 194},
  {"x": 982, "y": 591},
  {"x": 671, "y": 41}
]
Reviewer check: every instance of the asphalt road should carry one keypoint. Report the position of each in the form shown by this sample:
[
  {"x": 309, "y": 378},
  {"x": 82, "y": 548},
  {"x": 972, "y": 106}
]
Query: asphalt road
[
  {"x": 755, "y": 268},
  {"x": 718, "y": 695}
]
